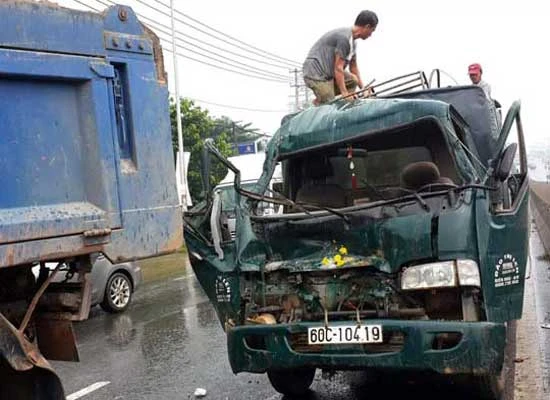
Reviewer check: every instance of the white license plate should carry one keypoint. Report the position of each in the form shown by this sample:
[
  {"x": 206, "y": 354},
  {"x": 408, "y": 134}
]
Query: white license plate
[{"x": 345, "y": 334}]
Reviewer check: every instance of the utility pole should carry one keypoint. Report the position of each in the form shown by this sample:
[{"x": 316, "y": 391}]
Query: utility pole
[
  {"x": 296, "y": 90},
  {"x": 182, "y": 178},
  {"x": 300, "y": 98}
]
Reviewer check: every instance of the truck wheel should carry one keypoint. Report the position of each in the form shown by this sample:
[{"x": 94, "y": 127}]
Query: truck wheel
[
  {"x": 291, "y": 382},
  {"x": 118, "y": 293},
  {"x": 489, "y": 387}
]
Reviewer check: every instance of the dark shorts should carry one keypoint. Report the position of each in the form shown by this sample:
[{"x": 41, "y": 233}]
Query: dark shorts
[{"x": 326, "y": 91}]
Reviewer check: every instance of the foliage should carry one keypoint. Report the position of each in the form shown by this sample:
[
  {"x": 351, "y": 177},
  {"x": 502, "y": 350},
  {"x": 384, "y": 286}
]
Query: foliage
[{"x": 199, "y": 125}]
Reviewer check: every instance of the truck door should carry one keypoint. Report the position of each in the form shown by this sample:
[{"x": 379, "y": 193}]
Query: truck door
[{"x": 504, "y": 236}]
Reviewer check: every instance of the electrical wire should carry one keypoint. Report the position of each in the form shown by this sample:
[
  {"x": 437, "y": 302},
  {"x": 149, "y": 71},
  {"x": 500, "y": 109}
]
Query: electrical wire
[
  {"x": 217, "y": 47},
  {"x": 255, "y": 50},
  {"x": 194, "y": 59},
  {"x": 220, "y": 67},
  {"x": 236, "y": 107},
  {"x": 231, "y": 62},
  {"x": 87, "y": 6}
]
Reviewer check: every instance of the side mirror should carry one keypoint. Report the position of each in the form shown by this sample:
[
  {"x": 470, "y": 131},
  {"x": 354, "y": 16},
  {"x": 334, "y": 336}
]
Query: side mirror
[
  {"x": 506, "y": 161},
  {"x": 210, "y": 149}
]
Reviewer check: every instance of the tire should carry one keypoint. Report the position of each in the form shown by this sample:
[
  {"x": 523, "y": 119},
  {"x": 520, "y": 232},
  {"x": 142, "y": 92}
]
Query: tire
[
  {"x": 291, "y": 382},
  {"x": 489, "y": 387},
  {"x": 118, "y": 293}
]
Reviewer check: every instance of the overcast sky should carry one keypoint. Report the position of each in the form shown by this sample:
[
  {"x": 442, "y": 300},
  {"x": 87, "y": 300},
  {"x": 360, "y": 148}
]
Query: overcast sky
[{"x": 509, "y": 39}]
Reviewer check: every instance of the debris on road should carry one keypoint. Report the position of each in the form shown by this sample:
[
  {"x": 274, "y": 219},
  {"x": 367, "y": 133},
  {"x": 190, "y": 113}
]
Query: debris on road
[{"x": 200, "y": 392}]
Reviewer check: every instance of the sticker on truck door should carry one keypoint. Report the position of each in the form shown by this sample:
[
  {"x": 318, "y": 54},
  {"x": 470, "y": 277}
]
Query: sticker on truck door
[
  {"x": 223, "y": 290},
  {"x": 506, "y": 271}
]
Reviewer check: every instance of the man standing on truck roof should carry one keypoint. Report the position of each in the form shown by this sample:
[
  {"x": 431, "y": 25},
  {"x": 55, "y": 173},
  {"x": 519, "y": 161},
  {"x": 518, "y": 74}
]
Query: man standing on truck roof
[
  {"x": 475, "y": 71},
  {"x": 325, "y": 66}
]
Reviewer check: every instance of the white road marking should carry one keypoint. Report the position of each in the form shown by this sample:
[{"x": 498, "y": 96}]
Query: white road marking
[
  {"x": 275, "y": 396},
  {"x": 87, "y": 390}
]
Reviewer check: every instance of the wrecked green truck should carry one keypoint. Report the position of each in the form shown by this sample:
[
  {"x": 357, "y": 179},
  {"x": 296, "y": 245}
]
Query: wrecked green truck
[{"x": 402, "y": 245}]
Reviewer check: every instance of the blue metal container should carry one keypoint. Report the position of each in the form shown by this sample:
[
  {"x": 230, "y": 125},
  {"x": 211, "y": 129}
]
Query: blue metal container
[{"x": 86, "y": 161}]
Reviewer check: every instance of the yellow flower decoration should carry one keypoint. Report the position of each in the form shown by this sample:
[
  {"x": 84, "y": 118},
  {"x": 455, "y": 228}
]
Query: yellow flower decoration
[
  {"x": 343, "y": 250},
  {"x": 325, "y": 261},
  {"x": 338, "y": 260}
]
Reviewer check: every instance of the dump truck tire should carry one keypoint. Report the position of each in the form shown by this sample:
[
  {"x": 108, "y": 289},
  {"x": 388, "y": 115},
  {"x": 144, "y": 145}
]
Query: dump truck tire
[{"x": 34, "y": 384}]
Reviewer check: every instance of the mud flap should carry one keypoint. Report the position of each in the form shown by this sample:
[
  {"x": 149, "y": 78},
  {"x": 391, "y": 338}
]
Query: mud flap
[{"x": 25, "y": 373}]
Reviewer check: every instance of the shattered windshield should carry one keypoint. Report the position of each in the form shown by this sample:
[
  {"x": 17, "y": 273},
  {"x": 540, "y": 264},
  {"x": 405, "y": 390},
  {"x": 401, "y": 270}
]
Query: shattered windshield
[{"x": 377, "y": 167}]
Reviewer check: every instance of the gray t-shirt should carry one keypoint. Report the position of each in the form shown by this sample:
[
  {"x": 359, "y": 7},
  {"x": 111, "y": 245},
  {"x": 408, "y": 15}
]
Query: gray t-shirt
[
  {"x": 486, "y": 88},
  {"x": 319, "y": 63}
]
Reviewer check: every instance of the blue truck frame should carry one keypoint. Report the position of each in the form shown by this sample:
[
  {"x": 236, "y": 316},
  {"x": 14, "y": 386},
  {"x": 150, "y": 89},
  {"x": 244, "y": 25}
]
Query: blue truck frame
[{"x": 86, "y": 165}]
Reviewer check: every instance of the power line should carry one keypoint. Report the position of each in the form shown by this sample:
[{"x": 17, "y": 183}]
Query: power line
[
  {"x": 266, "y": 54},
  {"x": 236, "y": 107},
  {"x": 219, "y": 48},
  {"x": 292, "y": 62},
  {"x": 231, "y": 62},
  {"x": 87, "y": 6},
  {"x": 258, "y": 74},
  {"x": 223, "y": 68}
]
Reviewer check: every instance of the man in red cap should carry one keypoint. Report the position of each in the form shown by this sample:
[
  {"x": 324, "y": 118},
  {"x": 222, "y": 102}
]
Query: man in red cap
[{"x": 475, "y": 71}]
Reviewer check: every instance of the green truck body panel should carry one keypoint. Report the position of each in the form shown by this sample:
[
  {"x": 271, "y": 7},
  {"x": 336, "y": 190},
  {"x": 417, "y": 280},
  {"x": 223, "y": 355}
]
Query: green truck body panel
[{"x": 478, "y": 351}]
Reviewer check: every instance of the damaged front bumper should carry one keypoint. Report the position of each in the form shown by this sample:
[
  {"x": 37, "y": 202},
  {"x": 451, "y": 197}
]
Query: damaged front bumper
[{"x": 445, "y": 347}]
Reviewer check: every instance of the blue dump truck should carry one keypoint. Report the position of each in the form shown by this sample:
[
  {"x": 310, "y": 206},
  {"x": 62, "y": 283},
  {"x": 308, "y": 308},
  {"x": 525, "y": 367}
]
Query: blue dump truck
[{"x": 86, "y": 166}]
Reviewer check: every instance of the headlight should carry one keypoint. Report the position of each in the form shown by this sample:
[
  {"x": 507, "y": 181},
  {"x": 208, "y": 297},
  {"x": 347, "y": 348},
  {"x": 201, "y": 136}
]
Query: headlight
[
  {"x": 468, "y": 273},
  {"x": 426, "y": 276},
  {"x": 441, "y": 274}
]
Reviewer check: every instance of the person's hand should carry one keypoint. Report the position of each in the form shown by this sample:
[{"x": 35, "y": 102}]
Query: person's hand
[
  {"x": 350, "y": 96},
  {"x": 369, "y": 92}
]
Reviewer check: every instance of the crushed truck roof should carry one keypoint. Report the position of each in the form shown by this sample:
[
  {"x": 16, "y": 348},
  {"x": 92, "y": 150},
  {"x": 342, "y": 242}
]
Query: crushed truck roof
[{"x": 343, "y": 121}]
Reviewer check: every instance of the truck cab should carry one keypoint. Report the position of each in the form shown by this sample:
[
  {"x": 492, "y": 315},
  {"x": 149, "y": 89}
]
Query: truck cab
[{"x": 402, "y": 245}]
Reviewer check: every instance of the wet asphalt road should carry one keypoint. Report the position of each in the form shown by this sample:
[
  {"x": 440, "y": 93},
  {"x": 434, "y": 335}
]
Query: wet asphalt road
[
  {"x": 170, "y": 342},
  {"x": 540, "y": 273}
]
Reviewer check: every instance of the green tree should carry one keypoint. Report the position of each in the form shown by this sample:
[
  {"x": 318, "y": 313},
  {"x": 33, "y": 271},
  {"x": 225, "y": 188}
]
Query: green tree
[
  {"x": 238, "y": 131},
  {"x": 198, "y": 125}
]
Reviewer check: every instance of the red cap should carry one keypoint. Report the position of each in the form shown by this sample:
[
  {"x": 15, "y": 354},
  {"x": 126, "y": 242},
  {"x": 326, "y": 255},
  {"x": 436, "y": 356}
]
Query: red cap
[{"x": 474, "y": 68}]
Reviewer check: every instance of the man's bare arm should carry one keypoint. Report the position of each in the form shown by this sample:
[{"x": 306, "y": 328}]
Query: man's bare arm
[
  {"x": 355, "y": 71},
  {"x": 339, "y": 65}
]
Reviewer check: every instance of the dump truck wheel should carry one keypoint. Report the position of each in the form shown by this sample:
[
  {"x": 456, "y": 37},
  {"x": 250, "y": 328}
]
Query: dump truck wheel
[
  {"x": 34, "y": 384},
  {"x": 291, "y": 382}
]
